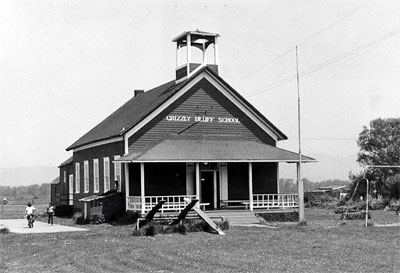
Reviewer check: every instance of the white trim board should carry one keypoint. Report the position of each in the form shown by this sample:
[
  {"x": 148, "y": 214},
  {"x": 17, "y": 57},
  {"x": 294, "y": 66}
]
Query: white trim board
[{"x": 98, "y": 143}]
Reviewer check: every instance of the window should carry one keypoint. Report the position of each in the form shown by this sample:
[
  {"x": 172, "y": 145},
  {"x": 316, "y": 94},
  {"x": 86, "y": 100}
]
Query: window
[
  {"x": 86, "y": 176},
  {"x": 96, "y": 175},
  {"x": 106, "y": 162},
  {"x": 117, "y": 173},
  {"x": 71, "y": 189},
  {"x": 77, "y": 178},
  {"x": 65, "y": 177}
]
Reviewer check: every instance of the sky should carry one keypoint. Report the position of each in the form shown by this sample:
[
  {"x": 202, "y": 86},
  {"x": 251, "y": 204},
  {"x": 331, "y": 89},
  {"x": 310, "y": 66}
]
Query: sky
[{"x": 67, "y": 65}]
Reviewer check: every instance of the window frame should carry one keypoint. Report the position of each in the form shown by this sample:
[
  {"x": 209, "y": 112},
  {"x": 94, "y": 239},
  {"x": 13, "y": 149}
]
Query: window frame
[
  {"x": 77, "y": 177},
  {"x": 96, "y": 178},
  {"x": 86, "y": 176},
  {"x": 106, "y": 173}
]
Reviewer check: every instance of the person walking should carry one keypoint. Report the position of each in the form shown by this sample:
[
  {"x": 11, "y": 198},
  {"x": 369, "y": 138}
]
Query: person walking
[{"x": 50, "y": 213}]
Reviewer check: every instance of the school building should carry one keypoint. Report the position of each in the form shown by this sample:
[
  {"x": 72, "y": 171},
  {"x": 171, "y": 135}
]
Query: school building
[{"x": 193, "y": 137}]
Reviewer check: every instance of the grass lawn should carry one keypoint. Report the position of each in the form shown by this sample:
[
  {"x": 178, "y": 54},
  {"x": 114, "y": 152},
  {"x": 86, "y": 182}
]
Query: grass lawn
[{"x": 324, "y": 245}]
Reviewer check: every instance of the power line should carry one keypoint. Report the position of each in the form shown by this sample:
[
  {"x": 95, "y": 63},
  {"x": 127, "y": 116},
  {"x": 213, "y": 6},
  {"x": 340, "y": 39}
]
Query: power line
[
  {"x": 306, "y": 40},
  {"x": 324, "y": 64},
  {"x": 334, "y": 23}
]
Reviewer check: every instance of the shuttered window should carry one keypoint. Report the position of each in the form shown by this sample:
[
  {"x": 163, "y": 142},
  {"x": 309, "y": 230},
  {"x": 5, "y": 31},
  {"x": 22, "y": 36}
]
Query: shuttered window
[
  {"x": 106, "y": 163},
  {"x": 77, "y": 178},
  {"x": 96, "y": 175},
  {"x": 86, "y": 176}
]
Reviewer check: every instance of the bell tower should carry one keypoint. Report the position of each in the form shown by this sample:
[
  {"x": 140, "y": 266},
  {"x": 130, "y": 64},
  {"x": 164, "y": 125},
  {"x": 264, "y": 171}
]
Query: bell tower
[{"x": 193, "y": 41}]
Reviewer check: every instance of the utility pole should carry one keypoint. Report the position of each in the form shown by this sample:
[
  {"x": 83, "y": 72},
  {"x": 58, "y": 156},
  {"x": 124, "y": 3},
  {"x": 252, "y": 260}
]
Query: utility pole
[{"x": 300, "y": 187}]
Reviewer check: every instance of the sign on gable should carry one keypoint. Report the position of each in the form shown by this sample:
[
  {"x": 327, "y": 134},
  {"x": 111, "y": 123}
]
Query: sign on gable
[{"x": 204, "y": 119}]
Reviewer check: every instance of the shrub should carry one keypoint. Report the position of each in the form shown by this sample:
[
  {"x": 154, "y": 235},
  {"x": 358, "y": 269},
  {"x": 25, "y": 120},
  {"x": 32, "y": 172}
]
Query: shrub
[
  {"x": 358, "y": 215},
  {"x": 149, "y": 230},
  {"x": 351, "y": 207},
  {"x": 223, "y": 225},
  {"x": 97, "y": 219},
  {"x": 129, "y": 217},
  {"x": 378, "y": 203},
  {"x": 4, "y": 230},
  {"x": 197, "y": 225},
  {"x": 78, "y": 219},
  {"x": 138, "y": 232},
  {"x": 393, "y": 204},
  {"x": 280, "y": 217},
  {"x": 189, "y": 226},
  {"x": 181, "y": 229},
  {"x": 166, "y": 229},
  {"x": 322, "y": 201}
]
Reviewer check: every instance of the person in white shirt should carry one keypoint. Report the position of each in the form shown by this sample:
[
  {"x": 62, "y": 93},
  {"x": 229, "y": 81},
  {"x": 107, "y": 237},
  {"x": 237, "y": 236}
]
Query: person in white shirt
[
  {"x": 30, "y": 210},
  {"x": 50, "y": 213}
]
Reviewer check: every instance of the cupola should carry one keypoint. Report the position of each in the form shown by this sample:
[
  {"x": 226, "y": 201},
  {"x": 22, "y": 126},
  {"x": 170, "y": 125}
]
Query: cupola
[{"x": 198, "y": 53}]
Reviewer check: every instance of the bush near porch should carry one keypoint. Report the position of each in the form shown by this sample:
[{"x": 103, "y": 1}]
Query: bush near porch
[{"x": 280, "y": 216}]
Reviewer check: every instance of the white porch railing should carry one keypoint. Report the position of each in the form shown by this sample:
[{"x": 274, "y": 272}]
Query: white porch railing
[
  {"x": 172, "y": 203},
  {"x": 177, "y": 203},
  {"x": 275, "y": 201}
]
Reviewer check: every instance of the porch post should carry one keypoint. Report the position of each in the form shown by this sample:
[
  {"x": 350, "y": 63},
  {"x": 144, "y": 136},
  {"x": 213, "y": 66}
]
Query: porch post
[
  {"x": 126, "y": 169},
  {"x": 301, "y": 195},
  {"x": 142, "y": 196},
  {"x": 251, "y": 186},
  {"x": 85, "y": 214},
  {"x": 198, "y": 181}
]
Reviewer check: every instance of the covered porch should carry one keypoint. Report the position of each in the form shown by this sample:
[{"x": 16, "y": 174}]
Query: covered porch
[{"x": 221, "y": 173}]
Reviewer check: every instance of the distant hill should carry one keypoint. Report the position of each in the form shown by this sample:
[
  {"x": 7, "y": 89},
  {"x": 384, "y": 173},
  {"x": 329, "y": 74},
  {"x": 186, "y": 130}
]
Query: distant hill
[
  {"x": 24, "y": 176},
  {"x": 327, "y": 167}
]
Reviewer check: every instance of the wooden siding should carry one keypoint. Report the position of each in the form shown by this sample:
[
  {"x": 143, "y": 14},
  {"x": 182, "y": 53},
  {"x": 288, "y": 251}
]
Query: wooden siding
[
  {"x": 202, "y": 100},
  {"x": 63, "y": 188},
  {"x": 99, "y": 152}
]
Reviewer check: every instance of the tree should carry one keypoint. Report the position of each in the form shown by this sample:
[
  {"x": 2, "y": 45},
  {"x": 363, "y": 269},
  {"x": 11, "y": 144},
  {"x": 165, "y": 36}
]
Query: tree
[{"x": 380, "y": 145}]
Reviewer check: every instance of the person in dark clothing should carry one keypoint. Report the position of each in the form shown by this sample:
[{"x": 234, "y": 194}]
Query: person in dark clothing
[{"x": 50, "y": 213}]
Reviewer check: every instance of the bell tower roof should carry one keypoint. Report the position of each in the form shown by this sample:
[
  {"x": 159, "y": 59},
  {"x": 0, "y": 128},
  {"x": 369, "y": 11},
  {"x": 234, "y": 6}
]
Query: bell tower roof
[{"x": 198, "y": 38}]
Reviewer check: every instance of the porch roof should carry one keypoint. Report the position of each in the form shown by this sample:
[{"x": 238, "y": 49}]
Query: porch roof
[
  {"x": 185, "y": 148},
  {"x": 91, "y": 198}
]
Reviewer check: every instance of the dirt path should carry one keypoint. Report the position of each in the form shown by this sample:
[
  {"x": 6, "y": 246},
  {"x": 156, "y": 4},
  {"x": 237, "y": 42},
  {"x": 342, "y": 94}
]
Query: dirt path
[{"x": 21, "y": 226}]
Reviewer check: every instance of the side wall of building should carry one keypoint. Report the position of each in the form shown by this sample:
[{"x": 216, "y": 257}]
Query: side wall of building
[
  {"x": 98, "y": 153},
  {"x": 63, "y": 186},
  {"x": 55, "y": 191}
]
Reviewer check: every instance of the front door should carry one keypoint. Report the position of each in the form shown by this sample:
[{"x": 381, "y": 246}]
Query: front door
[{"x": 209, "y": 188}]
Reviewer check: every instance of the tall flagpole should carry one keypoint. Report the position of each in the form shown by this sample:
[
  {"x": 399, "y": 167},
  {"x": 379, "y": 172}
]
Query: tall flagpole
[{"x": 299, "y": 181}]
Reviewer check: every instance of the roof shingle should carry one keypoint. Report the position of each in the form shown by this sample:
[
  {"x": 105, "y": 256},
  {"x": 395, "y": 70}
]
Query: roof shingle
[{"x": 212, "y": 148}]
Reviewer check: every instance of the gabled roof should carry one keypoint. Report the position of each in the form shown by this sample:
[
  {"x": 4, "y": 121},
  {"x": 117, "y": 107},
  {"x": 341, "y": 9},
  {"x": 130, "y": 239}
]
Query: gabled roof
[
  {"x": 129, "y": 114},
  {"x": 195, "y": 148},
  {"x": 139, "y": 107},
  {"x": 66, "y": 162}
]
